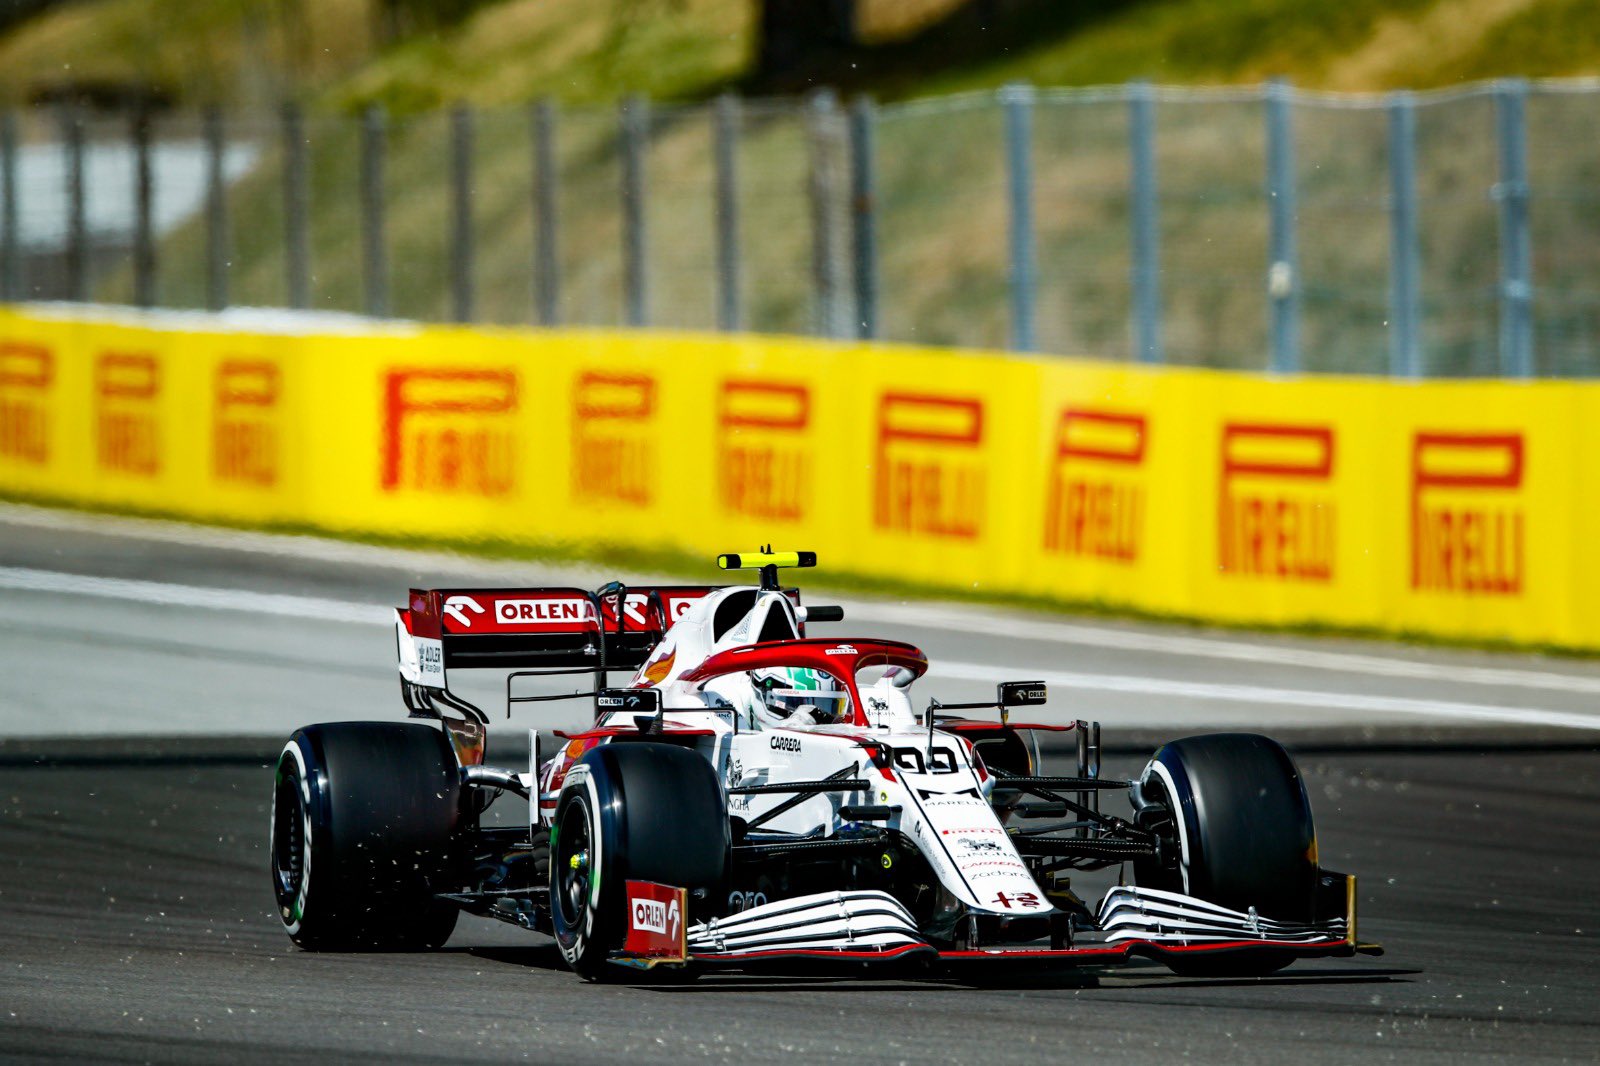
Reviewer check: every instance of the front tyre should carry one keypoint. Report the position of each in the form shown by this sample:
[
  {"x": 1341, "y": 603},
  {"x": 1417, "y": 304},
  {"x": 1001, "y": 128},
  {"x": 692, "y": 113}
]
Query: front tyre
[
  {"x": 1236, "y": 818},
  {"x": 630, "y": 811},
  {"x": 362, "y": 819}
]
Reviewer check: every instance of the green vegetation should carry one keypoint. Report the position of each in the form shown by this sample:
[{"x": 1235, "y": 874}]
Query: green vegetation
[
  {"x": 941, "y": 212},
  {"x": 336, "y": 53}
]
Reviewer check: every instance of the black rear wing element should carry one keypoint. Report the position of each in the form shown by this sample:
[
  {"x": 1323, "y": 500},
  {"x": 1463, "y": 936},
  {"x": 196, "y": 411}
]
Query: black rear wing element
[{"x": 568, "y": 629}]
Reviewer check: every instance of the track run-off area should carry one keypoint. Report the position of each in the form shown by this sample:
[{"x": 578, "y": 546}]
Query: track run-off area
[{"x": 152, "y": 670}]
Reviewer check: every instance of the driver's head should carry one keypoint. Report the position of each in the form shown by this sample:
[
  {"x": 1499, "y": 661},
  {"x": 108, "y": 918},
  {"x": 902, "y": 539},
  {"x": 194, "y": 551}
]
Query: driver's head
[{"x": 798, "y": 694}]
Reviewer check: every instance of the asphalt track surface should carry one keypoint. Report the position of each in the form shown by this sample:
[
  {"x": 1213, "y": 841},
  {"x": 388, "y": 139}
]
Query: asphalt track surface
[{"x": 139, "y": 725}]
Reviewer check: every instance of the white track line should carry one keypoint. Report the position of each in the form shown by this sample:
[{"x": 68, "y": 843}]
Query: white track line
[
  {"x": 311, "y": 608},
  {"x": 1299, "y": 699},
  {"x": 991, "y": 624},
  {"x": 214, "y": 599},
  {"x": 942, "y": 616}
]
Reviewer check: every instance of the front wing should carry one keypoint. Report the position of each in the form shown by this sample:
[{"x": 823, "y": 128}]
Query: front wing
[{"x": 872, "y": 926}]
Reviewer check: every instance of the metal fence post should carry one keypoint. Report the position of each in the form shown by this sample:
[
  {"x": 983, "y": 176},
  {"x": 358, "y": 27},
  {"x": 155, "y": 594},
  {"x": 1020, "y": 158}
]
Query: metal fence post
[
  {"x": 216, "y": 213},
  {"x": 823, "y": 107},
  {"x": 1017, "y": 100},
  {"x": 635, "y": 122},
  {"x": 144, "y": 248},
  {"x": 1405, "y": 319},
  {"x": 1283, "y": 276},
  {"x": 10, "y": 275},
  {"x": 461, "y": 250},
  {"x": 725, "y": 122},
  {"x": 546, "y": 264},
  {"x": 1516, "y": 254},
  {"x": 296, "y": 209},
  {"x": 77, "y": 226},
  {"x": 374, "y": 258},
  {"x": 1146, "y": 235},
  {"x": 864, "y": 213}
]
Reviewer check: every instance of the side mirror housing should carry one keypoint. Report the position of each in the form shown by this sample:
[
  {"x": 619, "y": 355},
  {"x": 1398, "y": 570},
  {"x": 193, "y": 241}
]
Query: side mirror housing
[{"x": 1020, "y": 693}]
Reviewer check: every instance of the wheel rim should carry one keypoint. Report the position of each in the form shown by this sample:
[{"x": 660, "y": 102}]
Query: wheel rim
[
  {"x": 288, "y": 841},
  {"x": 570, "y": 865}
]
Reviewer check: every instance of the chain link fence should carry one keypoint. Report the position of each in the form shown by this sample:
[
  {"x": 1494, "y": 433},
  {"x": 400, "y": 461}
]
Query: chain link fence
[{"x": 1450, "y": 233}]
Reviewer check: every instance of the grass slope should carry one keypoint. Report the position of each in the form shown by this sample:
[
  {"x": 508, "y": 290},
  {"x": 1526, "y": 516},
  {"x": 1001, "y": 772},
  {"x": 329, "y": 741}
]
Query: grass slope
[{"x": 250, "y": 52}]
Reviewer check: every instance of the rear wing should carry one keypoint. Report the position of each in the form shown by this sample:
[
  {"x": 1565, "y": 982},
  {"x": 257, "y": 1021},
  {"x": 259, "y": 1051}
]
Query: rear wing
[
  {"x": 555, "y": 629},
  {"x": 565, "y": 629}
]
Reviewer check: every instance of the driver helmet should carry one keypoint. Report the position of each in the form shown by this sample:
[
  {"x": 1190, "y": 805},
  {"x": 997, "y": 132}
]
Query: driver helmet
[{"x": 798, "y": 695}]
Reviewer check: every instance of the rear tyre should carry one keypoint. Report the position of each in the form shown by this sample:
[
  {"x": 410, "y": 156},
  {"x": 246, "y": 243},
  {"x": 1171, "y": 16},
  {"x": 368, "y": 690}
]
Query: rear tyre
[
  {"x": 362, "y": 819},
  {"x": 1242, "y": 831},
  {"x": 630, "y": 811}
]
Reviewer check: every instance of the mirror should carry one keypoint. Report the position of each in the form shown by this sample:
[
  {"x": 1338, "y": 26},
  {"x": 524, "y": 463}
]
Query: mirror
[{"x": 1020, "y": 693}]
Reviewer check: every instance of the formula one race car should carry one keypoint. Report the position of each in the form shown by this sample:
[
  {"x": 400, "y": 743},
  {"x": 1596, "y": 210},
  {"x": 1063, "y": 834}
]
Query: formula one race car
[{"x": 757, "y": 795}]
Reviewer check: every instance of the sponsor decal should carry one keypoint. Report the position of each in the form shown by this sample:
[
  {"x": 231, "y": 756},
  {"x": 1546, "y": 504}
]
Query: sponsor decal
[
  {"x": 636, "y": 611},
  {"x": 783, "y": 743},
  {"x": 449, "y": 431},
  {"x": 640, "y": 700},
  {"x": 935, "y": 761},
  {"x": 1006, "y": 864},
  {"x": 655, "y": 921},
  {"x": 1026, "y": 900},
  {"x": 659, "y": 668},
  {"x": 1276, "y": 514},
  {"x": 974, "y": 829},
  {"x": 764, "y": 464},
  {"x": 27, "y": 373},
  {"x": 244, "y": 431},
  {"x": 966, "y": 798},
  {"x": 613, "y": 437},
  {"x": 521, "y": 612},
  {"x": 930, "y": 477},
  {"x": 1468, "y": 534},
  {"x": 842, "y": 649},
  {"x": 461, "y": 609},
  {"x": 743, "y": 901},
  {"x": 654, "y": 916},
  {"x": 1095, "y": 499},
  {"x": 533, "y": 612},
  {"x": 430, "y": 661},
  {"x": 980, "y": 846},
  {"x": 127, "y": 388}
]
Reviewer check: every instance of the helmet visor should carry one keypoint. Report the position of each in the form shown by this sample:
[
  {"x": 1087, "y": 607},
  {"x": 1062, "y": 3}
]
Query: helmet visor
[{"x": 824, "y": 706}]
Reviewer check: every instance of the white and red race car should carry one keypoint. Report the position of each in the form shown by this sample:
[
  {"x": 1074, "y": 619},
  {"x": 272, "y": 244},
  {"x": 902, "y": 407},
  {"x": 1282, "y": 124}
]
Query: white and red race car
[{"x": 756, "y": 796}]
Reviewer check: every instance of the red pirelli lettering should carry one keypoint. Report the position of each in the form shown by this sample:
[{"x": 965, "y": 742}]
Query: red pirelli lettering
[
  {"x": 27, "y": 372},
  {"x": 448, "y": 430},
  {"x": 936, "y": 487},
  {"x": 764, "y": 463},
  {"x": 1268, "y": 524},
  {"x": 126, "y": 386},
  {"x": 613, "y": 447},
  {"x": 1092, "y": 508},
  {"x": 1467, "y": 537},
  {"x": 244, "y": 434}
]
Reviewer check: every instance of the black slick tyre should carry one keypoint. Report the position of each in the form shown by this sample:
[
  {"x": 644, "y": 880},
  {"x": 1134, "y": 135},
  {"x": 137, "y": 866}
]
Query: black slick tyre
[
  {"x": 630, "y": 811},
  {"x": 1242, "y": 830},
  {"x": 362, "y": 819}
]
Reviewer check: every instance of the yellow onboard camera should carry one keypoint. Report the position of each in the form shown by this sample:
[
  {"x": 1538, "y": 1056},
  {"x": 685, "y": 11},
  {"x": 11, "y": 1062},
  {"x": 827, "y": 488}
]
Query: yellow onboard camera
[{"x": 764, "y": 558}]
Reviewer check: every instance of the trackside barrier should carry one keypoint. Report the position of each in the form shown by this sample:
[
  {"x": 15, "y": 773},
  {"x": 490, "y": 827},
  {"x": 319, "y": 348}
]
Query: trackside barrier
[{"x": 1448, "y": 508}]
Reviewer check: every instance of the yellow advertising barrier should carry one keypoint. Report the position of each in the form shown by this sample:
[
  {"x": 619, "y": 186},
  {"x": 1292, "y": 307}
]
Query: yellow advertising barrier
[{"x": 1447, "y": 508}]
